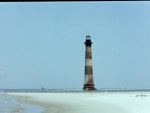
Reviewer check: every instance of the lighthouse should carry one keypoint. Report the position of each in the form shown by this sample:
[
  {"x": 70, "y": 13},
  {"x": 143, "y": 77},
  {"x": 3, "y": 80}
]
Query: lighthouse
[{"x": 88, "y": 77}]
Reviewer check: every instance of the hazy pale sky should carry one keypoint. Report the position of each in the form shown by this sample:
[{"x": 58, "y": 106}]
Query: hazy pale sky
[{"x": 42, "y": 44}]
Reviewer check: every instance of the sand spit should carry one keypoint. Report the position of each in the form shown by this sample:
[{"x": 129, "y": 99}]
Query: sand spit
[{"x": 89, "y": 102}]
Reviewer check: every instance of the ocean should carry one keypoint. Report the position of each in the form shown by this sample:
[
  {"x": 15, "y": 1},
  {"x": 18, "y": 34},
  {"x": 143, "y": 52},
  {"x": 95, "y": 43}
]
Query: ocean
[{"x": 11, "y": 104}]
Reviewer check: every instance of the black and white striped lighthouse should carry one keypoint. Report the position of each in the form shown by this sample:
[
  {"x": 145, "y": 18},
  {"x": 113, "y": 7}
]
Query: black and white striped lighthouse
[{"x": 88, "y": 80}]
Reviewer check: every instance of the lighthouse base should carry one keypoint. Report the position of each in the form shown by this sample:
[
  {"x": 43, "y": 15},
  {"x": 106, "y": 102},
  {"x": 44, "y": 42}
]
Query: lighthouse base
[{"x": 89, "y": 87}]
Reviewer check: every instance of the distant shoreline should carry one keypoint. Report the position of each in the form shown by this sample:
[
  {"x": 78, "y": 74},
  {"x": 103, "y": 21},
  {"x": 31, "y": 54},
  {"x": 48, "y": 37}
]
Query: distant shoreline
[{"x": 72, "y": 90}]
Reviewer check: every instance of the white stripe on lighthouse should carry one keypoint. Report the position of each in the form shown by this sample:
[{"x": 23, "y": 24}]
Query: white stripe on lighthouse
[
  {"x": 88, "y": 49},
  {"x": 88, "y": 62},
  {"x": 88, "y": 78}
]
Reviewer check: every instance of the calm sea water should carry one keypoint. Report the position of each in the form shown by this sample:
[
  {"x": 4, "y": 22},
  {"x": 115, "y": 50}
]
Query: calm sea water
[{"x": 9, "y": 104}]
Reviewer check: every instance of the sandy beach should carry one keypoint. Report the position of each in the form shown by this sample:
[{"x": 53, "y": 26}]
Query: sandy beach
[{"x": 124, "y": 102}]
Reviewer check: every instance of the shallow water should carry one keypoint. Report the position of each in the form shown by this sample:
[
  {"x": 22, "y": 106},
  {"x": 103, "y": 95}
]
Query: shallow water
[{"x": 9, "y": 104}]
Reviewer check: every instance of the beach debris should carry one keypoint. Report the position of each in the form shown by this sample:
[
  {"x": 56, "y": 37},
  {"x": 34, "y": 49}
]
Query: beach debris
[{"x": 141, "y": 95}]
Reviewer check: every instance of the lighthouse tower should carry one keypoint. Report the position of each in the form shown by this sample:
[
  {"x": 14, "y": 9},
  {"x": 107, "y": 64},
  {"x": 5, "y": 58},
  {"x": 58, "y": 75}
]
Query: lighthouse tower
[{"x": 88, "y": 80}]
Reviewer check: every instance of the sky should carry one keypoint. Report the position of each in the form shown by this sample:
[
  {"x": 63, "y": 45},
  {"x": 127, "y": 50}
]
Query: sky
[{"x": 42, "y": 44}]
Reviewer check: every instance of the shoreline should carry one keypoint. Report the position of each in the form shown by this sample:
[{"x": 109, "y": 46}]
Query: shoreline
[
  {"x": 88, "y": 102},
  {"x": 48, "y": 106},
  {"x": 12, "y": 104}
]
